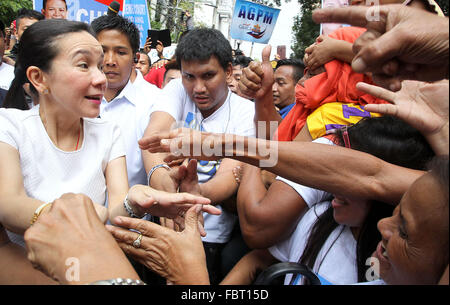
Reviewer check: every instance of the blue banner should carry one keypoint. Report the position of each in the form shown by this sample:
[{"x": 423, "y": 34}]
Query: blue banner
[
  {"x": 137, "y": 12},
  {"x": 88, "y": 10},
  {"x": 81, "y": 10},
  {"x": 253, "y": 22}
]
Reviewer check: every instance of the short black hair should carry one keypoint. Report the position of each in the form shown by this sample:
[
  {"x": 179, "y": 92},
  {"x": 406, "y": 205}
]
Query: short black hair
[
  {"x": 297, "y": 64},
  {"x": 238, "y": 52},
  {"x": 145, "y": 54},
  {"x": 121, "y": 24},
  {"x": 241, "y": 60},
  {"x": 201, "y": 44},
  {"x": 171, "y": 65},
  {"x": 44, "y": 3},
  {"x": 2, "y": 28},
  {"x": 30, "y": 14}
]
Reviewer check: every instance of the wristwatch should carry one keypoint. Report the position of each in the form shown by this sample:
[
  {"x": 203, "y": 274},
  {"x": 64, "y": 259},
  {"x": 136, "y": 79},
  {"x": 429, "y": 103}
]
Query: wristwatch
[{"x": 119, "y": 281}]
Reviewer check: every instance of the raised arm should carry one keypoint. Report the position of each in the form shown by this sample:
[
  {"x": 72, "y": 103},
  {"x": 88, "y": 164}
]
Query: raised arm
[{"x": 256, "y": 81}]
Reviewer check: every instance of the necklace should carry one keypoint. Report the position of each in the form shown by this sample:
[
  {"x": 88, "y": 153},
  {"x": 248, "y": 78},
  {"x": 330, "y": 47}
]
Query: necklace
[{"x": 79, "y": 135}]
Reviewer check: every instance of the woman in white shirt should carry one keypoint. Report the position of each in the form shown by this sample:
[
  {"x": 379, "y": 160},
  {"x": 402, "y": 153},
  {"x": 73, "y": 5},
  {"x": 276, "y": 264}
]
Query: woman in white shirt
[{"x": 61, "y": 147}]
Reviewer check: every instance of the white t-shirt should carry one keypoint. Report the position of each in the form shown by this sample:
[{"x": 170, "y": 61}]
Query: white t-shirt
[
  {"x": 6, "y": 76},
  {"x": 130, "y": 110},
  {"x": 311, "y": 196},
  {"x": 48, "y": 172},
  {"x": 235, "y": 116},
  {"x": 336, "y": 261}
]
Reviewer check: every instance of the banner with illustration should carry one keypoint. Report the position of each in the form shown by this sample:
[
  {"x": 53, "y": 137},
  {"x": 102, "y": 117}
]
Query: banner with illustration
[
  {"x": 88, "y": 10},
  {"x": 253, "y": 22},
  {"x": 327, "y": 28}
]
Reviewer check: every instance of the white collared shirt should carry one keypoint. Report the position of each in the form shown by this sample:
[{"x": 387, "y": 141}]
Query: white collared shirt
[
  {"x": 130, "y": 110},
  {"x": 6, "y": 76},
  {"x": 235, "y": 116}
]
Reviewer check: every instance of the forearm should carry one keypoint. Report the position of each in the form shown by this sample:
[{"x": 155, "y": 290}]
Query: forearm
[
  {"x": 265, "y": 112},
  {"x": 246, "y": 270},
  {"x": 343, "y": 51},
  {"x": 221, "y": 187},
  {"x": 16, "y": 269},
  {"x": 260, "y": 210},
  {"x": 16, "y": 212},
  {"x": 439, "y": 141},
  {"x": 160, "y": 179},
  {"x": 332, "y": 169}
]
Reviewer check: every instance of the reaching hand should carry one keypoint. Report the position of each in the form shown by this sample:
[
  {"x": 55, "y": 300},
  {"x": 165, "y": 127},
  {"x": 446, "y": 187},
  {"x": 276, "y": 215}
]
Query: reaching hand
[
  {"x": 189, "y": 183},
  {"x": 257, "y": 79},
  {"x": 164, "y": 204},
  {"x": 183, "y": 143},
  {"x": 147, "y": 45},
  {"x": 71, "y": 229},
  {"x": 405, "y": 43},
  {"x": 159, "y": 48},
  {"x": 177, "y": 256},
  {"x": 425, "y": 106}
]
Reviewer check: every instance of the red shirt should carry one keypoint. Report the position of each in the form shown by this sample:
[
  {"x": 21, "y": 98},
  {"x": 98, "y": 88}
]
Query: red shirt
[{"x": 156, "y": 76}]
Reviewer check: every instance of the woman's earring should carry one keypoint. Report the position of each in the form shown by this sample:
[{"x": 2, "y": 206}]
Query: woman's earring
[{"x": 46, "y": 91}]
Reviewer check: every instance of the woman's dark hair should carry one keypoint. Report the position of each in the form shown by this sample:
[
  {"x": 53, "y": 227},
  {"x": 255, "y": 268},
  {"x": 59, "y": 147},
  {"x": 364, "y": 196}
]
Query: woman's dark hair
[
  {"x": 201, "y": 44},
  {"x": 38, "y": 48},
  {"x": 393, "y": 141}
]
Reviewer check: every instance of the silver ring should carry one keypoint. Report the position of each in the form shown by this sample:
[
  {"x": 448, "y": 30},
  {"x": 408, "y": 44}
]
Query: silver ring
[{"x": 137, "y": 241}]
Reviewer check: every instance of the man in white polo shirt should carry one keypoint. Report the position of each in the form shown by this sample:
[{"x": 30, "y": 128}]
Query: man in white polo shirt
[
  {"x": 201, "y": 100},
  {"x": 6, "y": 71},
  {"x": 124, "y": 103}
]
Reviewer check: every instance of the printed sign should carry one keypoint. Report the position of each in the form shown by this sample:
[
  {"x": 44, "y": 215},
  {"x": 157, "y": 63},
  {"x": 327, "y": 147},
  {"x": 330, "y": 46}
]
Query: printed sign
[
  {"x": 253, "y": 22},
  {"x": 137, "y": 12},
  {"x": 327, "y": 28},
  {"x": 88, "y": 10}
]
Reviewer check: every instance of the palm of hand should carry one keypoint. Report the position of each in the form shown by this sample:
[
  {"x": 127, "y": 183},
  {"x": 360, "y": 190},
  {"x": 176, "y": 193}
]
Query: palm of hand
[{"x": 424, "y": 105}]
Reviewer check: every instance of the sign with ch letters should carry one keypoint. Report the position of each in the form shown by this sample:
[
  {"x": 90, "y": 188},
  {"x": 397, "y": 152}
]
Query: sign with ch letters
[{"x": 88, "y": 10}]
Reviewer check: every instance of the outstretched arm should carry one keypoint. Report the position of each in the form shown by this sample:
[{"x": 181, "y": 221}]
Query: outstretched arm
[{"x": 332, "y": 169}]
